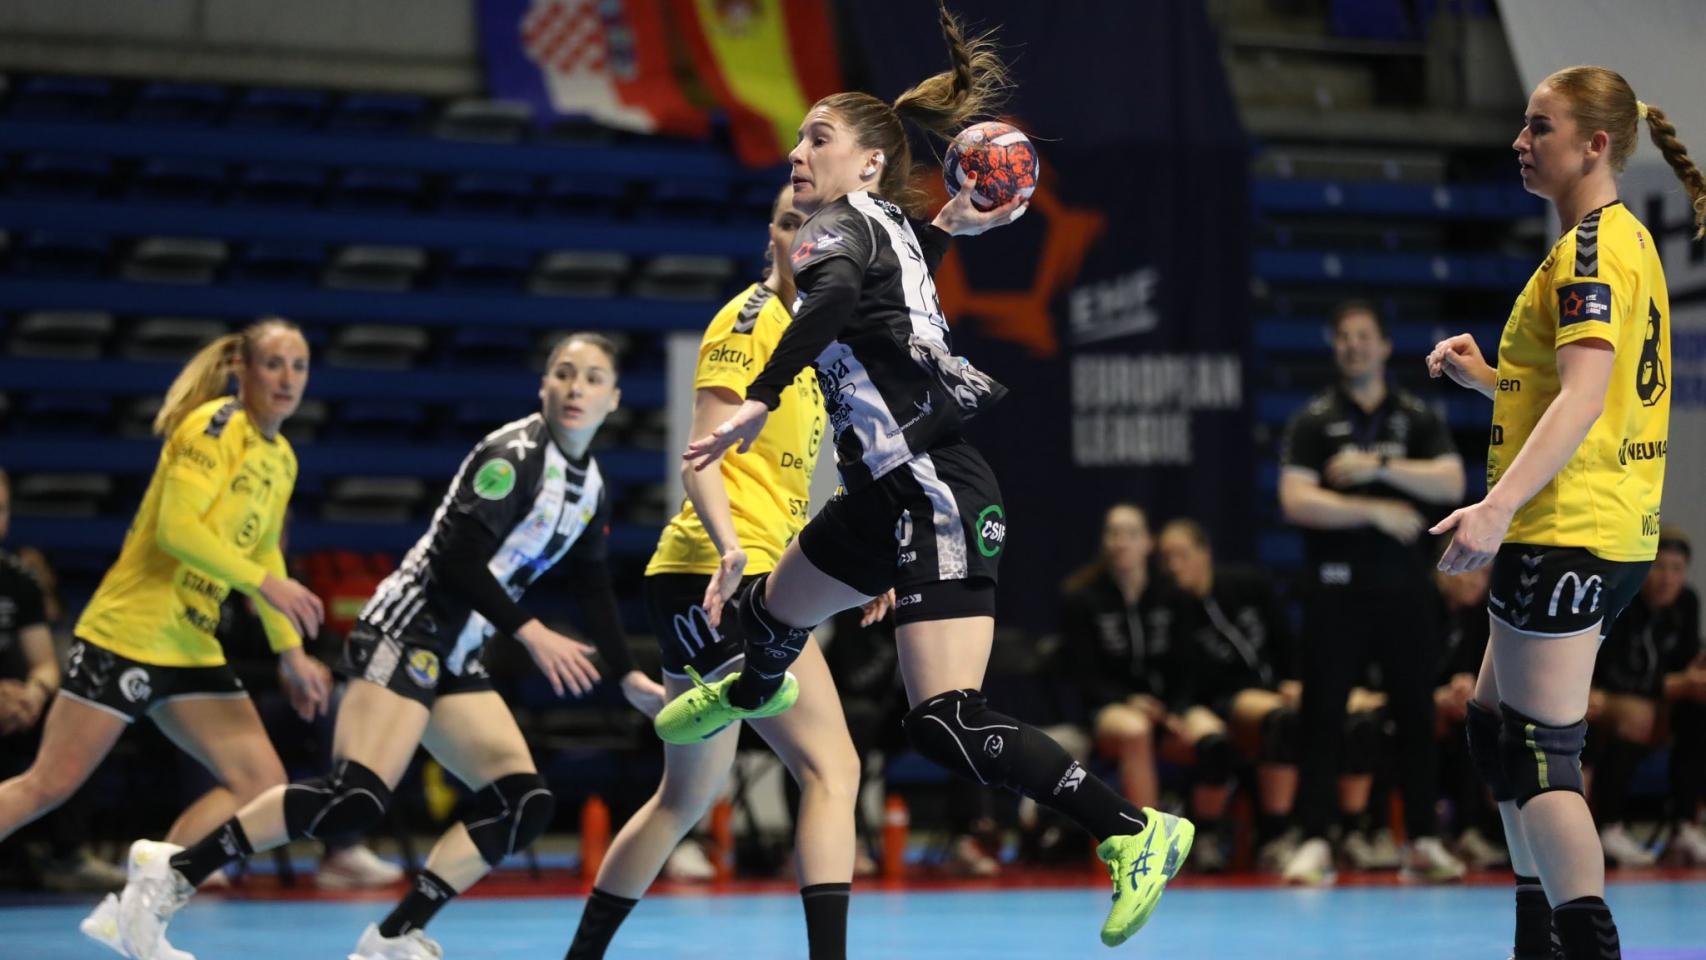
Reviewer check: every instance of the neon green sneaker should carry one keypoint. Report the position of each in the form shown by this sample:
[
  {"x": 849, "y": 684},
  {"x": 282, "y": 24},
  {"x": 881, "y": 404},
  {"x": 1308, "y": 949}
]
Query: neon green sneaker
[
  {"x": 1140, "y": 866},
  {"x": 702, "y": 712}
]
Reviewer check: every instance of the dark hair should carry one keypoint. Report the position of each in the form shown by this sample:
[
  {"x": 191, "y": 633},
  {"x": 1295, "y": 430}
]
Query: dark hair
[
  {"x": 1087, "y": 574},
  {"x": 1672, "y": 538},
  {"x": 1190, "y": 528},
  {"x": 599, "y": 340},
  {"x": 942, "y": 105},
  {"x": 1601, "y": 99},
  {"x": 1350, "y": 308},
  {"x": 208, "y": 373}
]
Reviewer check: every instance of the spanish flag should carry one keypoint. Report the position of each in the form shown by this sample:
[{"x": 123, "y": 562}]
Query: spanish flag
[{"x": 766, "y": 61}]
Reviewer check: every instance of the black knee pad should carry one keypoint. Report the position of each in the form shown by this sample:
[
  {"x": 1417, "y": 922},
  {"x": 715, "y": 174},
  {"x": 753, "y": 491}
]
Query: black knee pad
[
  {"x": 509, "y": 814},
  {"x": 1217, "y": 762},
  {"x": 771, "y": 645},
  {"x": 1539, "y": 758},
  {"x": 350, "y": 800},
  {"x": 1362, "y": 741},
  {"x": 1482, "y": 727},
  {"x": 957, "y": 731},
  {"x": 1280, "y": 737}
]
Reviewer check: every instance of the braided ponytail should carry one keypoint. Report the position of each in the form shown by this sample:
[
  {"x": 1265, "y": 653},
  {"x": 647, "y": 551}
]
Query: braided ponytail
[{"x": 1663, "y": 133}]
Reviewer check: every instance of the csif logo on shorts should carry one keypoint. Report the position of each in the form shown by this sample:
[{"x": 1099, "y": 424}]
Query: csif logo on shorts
[
  {"x": 1634, "y": 451},
  {"x": 991, "y": 530},
  {"x": 133, "y": 683}
]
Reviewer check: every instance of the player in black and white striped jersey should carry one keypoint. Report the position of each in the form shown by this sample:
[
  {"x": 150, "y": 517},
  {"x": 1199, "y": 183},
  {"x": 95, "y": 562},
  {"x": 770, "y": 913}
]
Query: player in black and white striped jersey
[
  {"x": 921, "y": 513},
  {"x": 528, "y": 496}
]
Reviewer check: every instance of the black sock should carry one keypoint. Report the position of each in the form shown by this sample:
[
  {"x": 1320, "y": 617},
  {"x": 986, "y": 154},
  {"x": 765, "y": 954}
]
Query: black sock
[
  {"x": 1586, "y": 930},
  {"x": 1269, "y": 826},
  {"x": 1613, "y": 777},
  {"x": 1351, "y": 823},
  {"x": 226, "y": 845},
  {"x": 1095, "y": 806},
  {"x": 1533, "y": 920},
  {"x": 1209, "y": 826},
  {"x": 826, "y": 919},
  {"x": 429, "y": 895},
  {"x": 600, "y": 920},
  {"x": 750, "y": 689}
]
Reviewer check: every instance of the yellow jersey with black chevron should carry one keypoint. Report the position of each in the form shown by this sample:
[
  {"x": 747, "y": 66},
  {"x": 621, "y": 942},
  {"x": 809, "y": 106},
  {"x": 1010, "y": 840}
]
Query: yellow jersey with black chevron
[
  {"x": 1602, "y": 281},
  {"x": 770, "y": 485},
  {"x": 209, "y": 522}
]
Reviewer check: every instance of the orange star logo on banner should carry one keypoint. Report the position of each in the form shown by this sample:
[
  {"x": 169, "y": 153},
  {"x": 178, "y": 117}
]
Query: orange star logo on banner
[{"x": 1021, "y": 316}]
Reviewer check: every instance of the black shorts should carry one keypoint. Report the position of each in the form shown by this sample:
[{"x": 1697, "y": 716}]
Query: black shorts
[
  {"x": 685, "y": 637},
  {"x": 409, "y": 668},
  {"x": 129, "y": 689},
  {"x": 1560, "y": 591},
  {"x": 933, "y": 529}
]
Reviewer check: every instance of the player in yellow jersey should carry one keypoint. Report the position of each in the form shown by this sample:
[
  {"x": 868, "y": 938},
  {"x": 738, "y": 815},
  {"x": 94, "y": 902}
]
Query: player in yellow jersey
[
  {"x": 734, "y": 525},
  {"x": 1575, "y": 475},
  {"x": 209, "y": 524}
]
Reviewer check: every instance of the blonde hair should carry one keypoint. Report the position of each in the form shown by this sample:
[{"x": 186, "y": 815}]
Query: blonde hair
[
  {"x": 1600, "y": 99},
  {"x": 208, "y": 373},
  {"x": 942, "y": 104}
]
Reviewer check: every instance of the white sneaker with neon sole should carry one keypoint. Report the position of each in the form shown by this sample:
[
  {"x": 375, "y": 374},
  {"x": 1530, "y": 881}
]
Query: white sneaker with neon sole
[
  {"x": 414, "y": 945},
  {"x": 151, "y": 896},
  {"x": 101, "y": 926}
]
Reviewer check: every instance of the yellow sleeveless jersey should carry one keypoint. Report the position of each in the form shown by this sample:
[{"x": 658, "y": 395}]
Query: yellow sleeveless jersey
[
  {"x": 769, "y": 485},
  {"x": 209, "y": 522},
  {"x": 1602, "y": 280}
]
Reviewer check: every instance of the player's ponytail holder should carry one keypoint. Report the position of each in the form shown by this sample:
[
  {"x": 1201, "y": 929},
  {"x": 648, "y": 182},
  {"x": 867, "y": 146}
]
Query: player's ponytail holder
[{"x": 1641, "y": 111}]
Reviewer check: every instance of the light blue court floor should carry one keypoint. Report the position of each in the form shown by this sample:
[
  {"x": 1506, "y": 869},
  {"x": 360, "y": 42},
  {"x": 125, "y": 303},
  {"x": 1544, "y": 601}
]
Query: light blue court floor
[{"x": 1659, "y": 921}]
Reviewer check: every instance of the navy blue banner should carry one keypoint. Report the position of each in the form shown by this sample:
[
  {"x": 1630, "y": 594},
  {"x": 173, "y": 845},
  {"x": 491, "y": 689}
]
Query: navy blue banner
[{"x": 1117, "y": 310}]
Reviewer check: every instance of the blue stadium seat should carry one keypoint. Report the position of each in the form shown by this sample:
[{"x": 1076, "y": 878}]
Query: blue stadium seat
[
  {"x": 180, "y": 180},
  {"x": 756, "y": 199},
  {"x": 278, "y": 108},
  {"x": 79, "y": 334},
  {"x": 377, "y": 189},
  {"x": 586, "y": 195},
  {"x": 71, "y": 413},
  {"x": 483, "y": 345},
  {"x": 59, "y": 174},
  {"x": 392, "y": 419},
  {"x": 485, "y": 269},
  {"x": 61, "y": 252},
  {"x": 485, "y": 121},
  {"x": 378, "y": 113},
  {"x": 191, "y": 103},
  {"x": 281, "y": 184},
  {"x": 293, "y": 262},
  {"x": 63, "y": 98},
  {"x": 690, "y": 199},
  {"x": 488, "y": 193}
]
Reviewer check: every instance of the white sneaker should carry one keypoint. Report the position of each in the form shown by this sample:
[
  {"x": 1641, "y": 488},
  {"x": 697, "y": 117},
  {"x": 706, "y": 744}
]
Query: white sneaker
[
  {"x": 354, "y": 867},
  {"x": 1383, "y": 851},
  {"x": 1276, "y": 853},
  {"x": 689, "y": 864},
  {"x": 1311, "y": 864},
  {"x": 1480, "y": 853},
  {"x": 102, "y": 927},
  {"x": 154, "y": 892},
  {"x": 414, "y": 945},
  {"x": 1358, "y": 851},
  {"x": 1623, "y": 849},
  {"x": 967, "y": 859},
  {"x": 1691, "y": 840},
  {"x": 1426, "y": 860}
]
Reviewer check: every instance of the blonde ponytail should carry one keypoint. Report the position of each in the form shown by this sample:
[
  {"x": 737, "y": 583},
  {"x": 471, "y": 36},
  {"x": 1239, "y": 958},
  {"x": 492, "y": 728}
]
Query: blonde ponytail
[
  {"x": 1663, "y": 133},
  {"x": 205, "y": 377}
]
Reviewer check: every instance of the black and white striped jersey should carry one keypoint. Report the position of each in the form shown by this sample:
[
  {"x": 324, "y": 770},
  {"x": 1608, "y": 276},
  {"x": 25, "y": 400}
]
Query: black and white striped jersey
[
  {"x": 523, "y": 505},
  {"x": 869, "y": 321}
]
